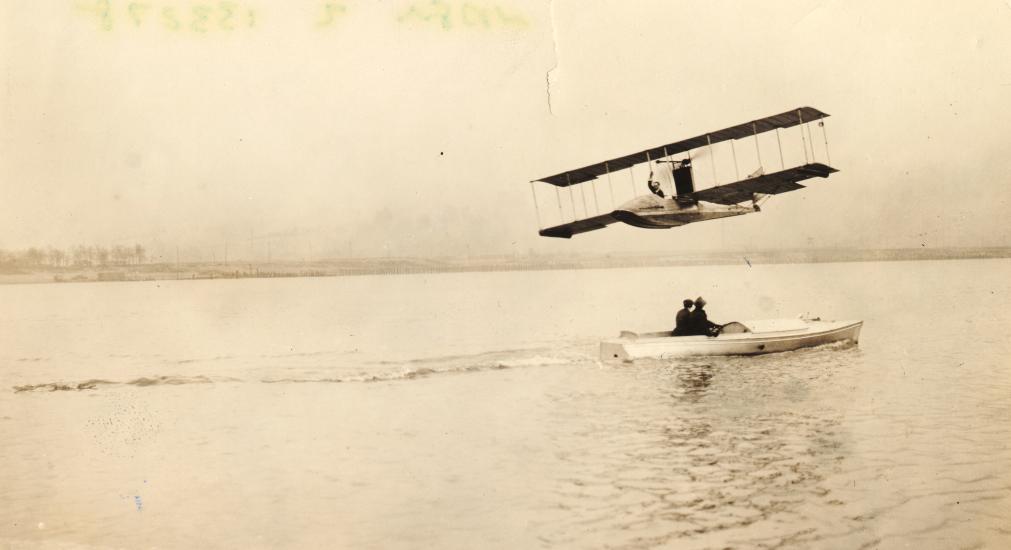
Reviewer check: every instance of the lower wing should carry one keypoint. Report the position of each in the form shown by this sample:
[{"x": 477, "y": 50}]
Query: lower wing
[
  {"x": 768, "y": 184},
  {"x": 567, "y": 230}
]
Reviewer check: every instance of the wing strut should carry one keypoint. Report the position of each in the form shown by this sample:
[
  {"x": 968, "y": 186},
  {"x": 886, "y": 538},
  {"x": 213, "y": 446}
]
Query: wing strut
[
  {"x": 737, "y": 171},
  {"x": 782, "y": 163},
  {"x": 824, "y": 134},
  {"x": 537, "y": 210},
  {"x": 610, "y": 187},
  {"x": 800, "y": 117},
  {"x": 712, "y": 159}
]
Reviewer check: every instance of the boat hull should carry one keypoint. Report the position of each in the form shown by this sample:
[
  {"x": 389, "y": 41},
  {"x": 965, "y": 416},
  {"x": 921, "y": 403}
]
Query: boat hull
[
  {"x": 652, "y": 212},
  {"x": 774, "y": 337}
]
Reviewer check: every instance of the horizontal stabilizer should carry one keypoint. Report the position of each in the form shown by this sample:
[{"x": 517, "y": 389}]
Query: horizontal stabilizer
[
  {"x": 748, "y": 129},
  {"x": 567, "y": 230},
  {"x": 768, "y": 184}
]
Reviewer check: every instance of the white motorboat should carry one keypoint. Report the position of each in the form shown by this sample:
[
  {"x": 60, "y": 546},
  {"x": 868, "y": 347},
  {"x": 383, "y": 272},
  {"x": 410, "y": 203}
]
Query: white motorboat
[{"x": 737, "y": 338}]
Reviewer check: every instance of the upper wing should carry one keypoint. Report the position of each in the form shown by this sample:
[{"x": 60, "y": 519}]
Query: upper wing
[
  {"x": 768, "y": 184},
  {"x": 567, "y": 230},
  {"x": 782, "y": 120}
]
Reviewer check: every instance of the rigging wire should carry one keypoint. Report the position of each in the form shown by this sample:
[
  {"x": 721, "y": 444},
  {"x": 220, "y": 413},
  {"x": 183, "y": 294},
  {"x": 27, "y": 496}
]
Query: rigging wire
[
  {"x": 810, "y": 138},
  {"x": 649, "y": 165},
  {"x": 537, "y": 210},
  {"x": 670, "y": 177},
  {"x": 558, "y": 195},
  {"x": 582, "y": 193},
  {"x": 572, "y": 199},
  {"x": 782, "y": 163},
  {"x": 803, "y": 140},
  {"x": 712, "y": 159},
  {"x": 821, "y": 122},
  {"x": 596, "y": 201},
  {"x": 631, "y": 174},
  {"x": 737, "y": 171},
  {"x": 610, "y": 186}
]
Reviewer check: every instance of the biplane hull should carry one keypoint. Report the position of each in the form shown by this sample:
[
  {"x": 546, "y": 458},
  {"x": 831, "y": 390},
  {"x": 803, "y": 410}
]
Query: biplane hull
[
  {"x": 650, "y": 212},
  {"x": 752, "y": 338},
  {"x": 653, "y": 212}
]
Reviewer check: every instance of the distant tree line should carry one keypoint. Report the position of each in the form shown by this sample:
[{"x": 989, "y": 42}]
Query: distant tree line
[{"x": 78, "y": 256}]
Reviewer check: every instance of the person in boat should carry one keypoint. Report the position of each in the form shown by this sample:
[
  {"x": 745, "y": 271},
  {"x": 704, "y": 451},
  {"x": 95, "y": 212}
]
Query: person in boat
[
  {"x": 681, "y": 319},
  {"x": 699, "y": 323},
  {"x": 654, "y": 187}
]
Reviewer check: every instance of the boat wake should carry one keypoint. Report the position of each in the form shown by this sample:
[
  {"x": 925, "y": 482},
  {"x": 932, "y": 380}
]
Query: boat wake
[
  {"x": 455, "y": 364},
  {"x": 95, "y": 384},
  {"x": 379, "y": 371}
]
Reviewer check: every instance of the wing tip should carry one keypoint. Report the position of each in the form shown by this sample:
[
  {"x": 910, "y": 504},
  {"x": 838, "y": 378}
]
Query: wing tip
[
  {"x": 817, "y": 169},
  {"x": 557, "y": 232},
  {"x": 821, "y": 114}
]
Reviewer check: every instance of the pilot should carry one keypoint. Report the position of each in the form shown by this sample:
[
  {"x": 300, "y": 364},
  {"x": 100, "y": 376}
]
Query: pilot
[
  {"x": 654, "y": 186},
  {"x": 698, "y": 321},
  {"x": 681, "y": 319}
]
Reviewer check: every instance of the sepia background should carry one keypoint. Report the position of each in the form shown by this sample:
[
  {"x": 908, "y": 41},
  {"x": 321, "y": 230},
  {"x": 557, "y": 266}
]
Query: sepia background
[{"x": 412, "y": 128}]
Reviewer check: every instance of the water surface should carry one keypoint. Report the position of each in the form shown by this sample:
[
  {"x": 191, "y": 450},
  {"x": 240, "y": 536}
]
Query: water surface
[{"x": 469, "y": 410}]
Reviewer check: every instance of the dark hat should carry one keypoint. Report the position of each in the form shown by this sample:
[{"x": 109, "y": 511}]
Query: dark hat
[
  {"x": 699, "y": 302},
  {"x": 688, "y": 303}
]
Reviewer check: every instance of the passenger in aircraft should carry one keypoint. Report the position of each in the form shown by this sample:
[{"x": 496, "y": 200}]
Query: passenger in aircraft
[
  {"x": 699, "y": 323},
  {"x": 654, "y": 186},
  {"x": 681, "y": 319}
]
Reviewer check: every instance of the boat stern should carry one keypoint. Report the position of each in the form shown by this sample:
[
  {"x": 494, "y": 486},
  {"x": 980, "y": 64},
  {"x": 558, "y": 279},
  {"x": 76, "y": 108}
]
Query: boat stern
[{"x": 614, "y": 350}]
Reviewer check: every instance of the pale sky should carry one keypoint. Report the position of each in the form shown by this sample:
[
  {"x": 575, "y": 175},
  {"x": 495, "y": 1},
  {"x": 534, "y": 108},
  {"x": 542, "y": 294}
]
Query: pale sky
[{"x": 413, "y": 127}]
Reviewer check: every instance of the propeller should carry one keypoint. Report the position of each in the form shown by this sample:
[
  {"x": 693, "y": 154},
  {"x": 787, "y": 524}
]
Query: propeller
[{"x": 696, "y": 154}]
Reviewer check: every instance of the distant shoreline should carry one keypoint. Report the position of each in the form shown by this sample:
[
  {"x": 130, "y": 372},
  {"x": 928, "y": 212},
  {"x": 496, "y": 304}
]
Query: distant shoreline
[{"x": 338, "y": 267}]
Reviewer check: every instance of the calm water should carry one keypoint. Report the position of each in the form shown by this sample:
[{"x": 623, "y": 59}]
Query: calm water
[{"x": 469, "y": 411}]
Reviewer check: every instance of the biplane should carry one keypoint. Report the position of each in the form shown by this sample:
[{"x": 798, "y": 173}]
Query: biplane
[{"x": 654, "y": 209}]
